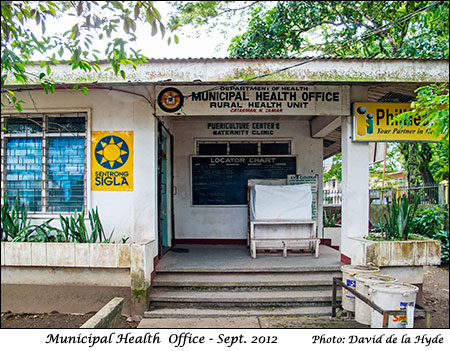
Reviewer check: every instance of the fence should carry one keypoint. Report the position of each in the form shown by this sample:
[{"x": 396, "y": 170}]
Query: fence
[
  {"x": 332, "y": 197},
  {"x": 428, "y": 194}
]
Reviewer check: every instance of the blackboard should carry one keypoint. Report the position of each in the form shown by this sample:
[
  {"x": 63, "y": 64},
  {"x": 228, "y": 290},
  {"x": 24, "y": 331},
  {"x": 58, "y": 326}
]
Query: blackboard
[{"x": 222, "y": 180}]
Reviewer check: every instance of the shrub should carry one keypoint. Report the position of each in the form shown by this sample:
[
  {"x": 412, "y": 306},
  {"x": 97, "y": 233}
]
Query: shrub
[
  {"x": 429, "y": 221},
  {"x": 74, "y": 228},
  {"x": 330, "y": 221},
  {"x": 442, "y": 235},
  {"x": 15, "y": 226},
  {"x": 397, "y": 221},
  {"x": 14, "y": 220}
]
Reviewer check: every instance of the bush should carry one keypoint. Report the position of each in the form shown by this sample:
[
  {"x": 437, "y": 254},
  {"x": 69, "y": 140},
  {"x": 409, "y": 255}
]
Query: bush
[
  {"x": 428, "y": 221},
  {"x": 442, "y": 235},
  {"x": 15, "y": 226},
  {"x": 431, "y": 222},
  {"x": 14, "y": 220},
  {"x": 397, "y": 221},
  {"x": 330, "y": 221}
]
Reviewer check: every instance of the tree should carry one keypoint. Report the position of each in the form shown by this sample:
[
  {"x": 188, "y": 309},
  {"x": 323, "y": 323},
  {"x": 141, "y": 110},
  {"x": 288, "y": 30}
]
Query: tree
[
  {"x": 94, "y": 20},
  {"x": 432, "y": 106},
  {"x": 384, "y": 29},
  {"x": 335, "y": 170},
  {"x": 336, "y": 28}
]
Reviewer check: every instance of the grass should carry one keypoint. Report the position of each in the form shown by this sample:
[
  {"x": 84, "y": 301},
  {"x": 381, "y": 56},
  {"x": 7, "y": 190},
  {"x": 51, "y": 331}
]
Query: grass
[{"x": 378, "y": 237}]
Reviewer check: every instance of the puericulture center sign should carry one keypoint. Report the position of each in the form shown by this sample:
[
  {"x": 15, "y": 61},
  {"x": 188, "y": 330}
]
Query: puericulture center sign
[{"x": 242, "y": 99}]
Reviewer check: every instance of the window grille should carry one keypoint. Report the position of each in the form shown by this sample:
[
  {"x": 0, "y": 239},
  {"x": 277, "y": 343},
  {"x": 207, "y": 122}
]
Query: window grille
[{"x": 44, "y": 161}]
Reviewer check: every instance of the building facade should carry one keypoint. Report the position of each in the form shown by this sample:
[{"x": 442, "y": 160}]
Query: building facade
[{"x": 166, "y": 156}]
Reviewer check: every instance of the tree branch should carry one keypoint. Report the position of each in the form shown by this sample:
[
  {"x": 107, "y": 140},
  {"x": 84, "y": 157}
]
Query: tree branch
[{"x": 238, "y": 9}]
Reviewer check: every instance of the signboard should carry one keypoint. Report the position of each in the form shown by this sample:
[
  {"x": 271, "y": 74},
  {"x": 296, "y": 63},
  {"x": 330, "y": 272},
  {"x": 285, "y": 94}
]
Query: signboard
[
  {"x": 374, "y": 122},
  {"x": 270, "y": 128},
  {"x": 313, "y": 180},
  {"x": 222, "y": 180},
  {"x": 112, "y": 161},
  {"x": 250, "y": 100}
]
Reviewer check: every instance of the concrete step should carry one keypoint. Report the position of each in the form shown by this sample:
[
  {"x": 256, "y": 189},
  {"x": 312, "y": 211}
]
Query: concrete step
[
  {"x": 262, "y": 269},
  {"x": 244, "y": 279},
  {"x": 159, "y": 298},
  {"x": 234, "y": 312}
]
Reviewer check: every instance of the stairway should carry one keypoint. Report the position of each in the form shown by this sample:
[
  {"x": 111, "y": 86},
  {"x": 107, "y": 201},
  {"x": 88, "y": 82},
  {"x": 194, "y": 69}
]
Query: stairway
[{"x": 232, "y": 293}]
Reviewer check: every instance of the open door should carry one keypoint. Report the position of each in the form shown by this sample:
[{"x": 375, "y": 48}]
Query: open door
[{"x": 165, "y": 223}]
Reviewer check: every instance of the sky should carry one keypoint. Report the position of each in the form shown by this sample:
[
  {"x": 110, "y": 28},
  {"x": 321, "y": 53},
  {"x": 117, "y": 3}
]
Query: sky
[
  {"x": 207, "y": 45},
  {"x": 189, "y": 46}
]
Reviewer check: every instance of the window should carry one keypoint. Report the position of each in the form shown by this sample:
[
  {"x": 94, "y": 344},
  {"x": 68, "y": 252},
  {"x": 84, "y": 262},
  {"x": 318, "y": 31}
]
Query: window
[
  {"x": 44, "y": 161},
  {"x": 243, "y": 148}
]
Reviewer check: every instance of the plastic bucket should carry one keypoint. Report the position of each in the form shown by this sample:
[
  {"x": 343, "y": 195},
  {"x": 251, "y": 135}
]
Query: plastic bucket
[
  {"x": 363, "y": 310},
  {"x": 348, "y": 277},
  {"x": 394, "y": 296}
]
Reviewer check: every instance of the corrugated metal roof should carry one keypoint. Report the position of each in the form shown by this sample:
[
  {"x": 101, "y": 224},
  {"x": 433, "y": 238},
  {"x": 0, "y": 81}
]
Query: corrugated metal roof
[
  {"x": 281, "y": 58},
  {"x": 293, "y": 58}
]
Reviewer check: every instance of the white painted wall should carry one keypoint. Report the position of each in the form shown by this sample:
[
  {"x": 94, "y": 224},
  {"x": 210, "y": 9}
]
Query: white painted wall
[
  {"x": 131, "y": 214},
  {"x": 355, "y": 185},
  {"x": 200, "y": 222}
]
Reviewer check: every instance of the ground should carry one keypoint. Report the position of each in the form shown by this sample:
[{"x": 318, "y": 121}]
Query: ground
[{"x": 436, "y": 299}]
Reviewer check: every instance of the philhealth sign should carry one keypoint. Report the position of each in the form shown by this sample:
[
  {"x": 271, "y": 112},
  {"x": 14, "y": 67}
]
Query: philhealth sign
[
  {"x": 112, "y": 161},
  {"x": 375, "y": 122}
]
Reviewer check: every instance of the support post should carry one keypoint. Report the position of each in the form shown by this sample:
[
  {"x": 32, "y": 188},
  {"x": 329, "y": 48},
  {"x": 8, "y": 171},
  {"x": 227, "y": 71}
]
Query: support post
[{"x": 355, "y": 193}]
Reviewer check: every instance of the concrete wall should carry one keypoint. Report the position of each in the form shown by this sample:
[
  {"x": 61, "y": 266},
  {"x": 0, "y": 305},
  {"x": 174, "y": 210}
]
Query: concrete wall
[
  {"x": 215, "y": 222},
  {"x": 131, "y": 214},
  {"x": 75, "y": 278}
]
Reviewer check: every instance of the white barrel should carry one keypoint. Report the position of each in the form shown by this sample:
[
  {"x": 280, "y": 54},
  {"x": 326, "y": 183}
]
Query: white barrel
[
  {"x": 363, "y": 310},
  {"x": 394, "y": 296},
  {"x": 348, "y": 277}
]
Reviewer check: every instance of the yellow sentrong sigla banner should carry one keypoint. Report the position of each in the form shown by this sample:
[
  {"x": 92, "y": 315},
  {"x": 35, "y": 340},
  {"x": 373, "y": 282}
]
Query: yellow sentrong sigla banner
[
  {"x": 374, "y": 122},
  {"x": 112, "y": 161}
]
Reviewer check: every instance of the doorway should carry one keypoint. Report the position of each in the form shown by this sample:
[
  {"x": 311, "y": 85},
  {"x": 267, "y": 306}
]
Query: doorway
[{"x": 165, "y": 201}]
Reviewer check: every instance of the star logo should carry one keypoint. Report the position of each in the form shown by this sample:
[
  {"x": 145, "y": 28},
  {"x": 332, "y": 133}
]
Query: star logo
[{"x": 111, "y": 152}]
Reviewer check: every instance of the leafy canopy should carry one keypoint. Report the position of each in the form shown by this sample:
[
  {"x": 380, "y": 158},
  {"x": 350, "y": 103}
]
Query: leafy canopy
[
  {"x": 336, "y": 28},
  {"x": 431, "y": 105},
  {"x": 346, "y": 28},
  {"x": 23, "y": 31}
]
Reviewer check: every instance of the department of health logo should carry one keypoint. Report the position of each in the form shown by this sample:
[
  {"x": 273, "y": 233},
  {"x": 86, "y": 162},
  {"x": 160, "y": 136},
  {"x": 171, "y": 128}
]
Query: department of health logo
[
  {"x": 111, "y": 152},
  {"x": 170, "y": 99}
]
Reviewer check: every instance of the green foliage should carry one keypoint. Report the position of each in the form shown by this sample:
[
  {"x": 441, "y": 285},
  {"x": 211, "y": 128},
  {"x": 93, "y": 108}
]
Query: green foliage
[
  {"x": 197, "y": 13},
  {"x": 346, "y": 28},
  {"x": 330, "y": 221},
  {"x": 431, "y": 107},
  {"x": 74, "y": 228},
  {"x": 15, "y": 226},
  {"x": 14, "y": 220},
  {"x": 397, "y": 221},
  {"x": 440, "y": 160},
  {"x": 41, "y": 233},
  {"x": 442, "y": 235},
  {"x": 23, "y": 29},
  {"x": 429, "y": 221},
  {"x": 335, "y": 170}
]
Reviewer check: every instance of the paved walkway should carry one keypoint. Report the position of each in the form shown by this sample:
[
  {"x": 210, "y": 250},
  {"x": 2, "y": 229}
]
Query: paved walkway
[{"x": 249, "y": 322}]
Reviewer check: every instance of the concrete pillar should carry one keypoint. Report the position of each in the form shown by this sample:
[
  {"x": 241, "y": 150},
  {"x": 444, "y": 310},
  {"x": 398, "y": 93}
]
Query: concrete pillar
[
  {"x": 443, "y": 192},
  {"x": 355, "y": 193}
]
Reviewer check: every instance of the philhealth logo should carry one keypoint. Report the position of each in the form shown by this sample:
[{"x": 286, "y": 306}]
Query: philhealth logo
[
  {"x": 365, "y": 122},
  {"x": 111, "y": 152}
]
